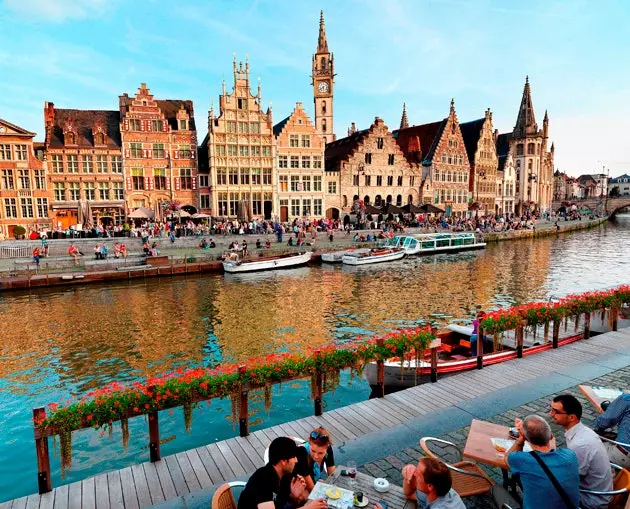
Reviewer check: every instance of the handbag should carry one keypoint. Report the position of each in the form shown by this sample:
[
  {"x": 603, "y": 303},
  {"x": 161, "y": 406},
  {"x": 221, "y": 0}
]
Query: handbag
[
  {"x": 563, "y": 494},
  {"x": 502, "y": 498}
]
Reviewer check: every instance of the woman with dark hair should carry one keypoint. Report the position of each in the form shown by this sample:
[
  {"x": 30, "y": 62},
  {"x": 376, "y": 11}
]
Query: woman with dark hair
[{"x": 315, "y": 459}]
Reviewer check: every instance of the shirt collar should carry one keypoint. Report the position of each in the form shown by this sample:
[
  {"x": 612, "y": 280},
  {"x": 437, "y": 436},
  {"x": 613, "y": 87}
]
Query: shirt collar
[{"x": 570, "y": 434}]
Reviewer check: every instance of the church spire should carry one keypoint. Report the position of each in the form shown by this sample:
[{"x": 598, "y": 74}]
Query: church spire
[
  {"x": 526, "y": 122},
  {"x": 404, "y": 123},
  {"x": 322, "y": 43}
]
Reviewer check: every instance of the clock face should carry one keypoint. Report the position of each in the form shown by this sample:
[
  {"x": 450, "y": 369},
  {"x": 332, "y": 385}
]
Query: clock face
[{"x": 323, "y": 86}]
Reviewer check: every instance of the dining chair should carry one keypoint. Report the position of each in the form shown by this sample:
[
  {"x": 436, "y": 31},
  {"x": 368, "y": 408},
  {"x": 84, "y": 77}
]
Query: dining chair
[
  {"x": 621, "y": 488},
  {"x": 223, "y": 498},
  {"x": 468, "y": 477}
]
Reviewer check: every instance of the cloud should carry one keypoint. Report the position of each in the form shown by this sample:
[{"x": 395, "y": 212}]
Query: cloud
[{"x": 58, "y": 11}]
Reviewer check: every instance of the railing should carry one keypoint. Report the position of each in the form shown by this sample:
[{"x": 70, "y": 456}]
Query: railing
[{"x": 15, "y": 252}]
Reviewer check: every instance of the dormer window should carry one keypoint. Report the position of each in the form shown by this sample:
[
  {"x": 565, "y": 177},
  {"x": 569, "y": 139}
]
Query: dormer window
[
  {"x": 70, "y": 138},
  {"x": 183, "y": 125},
  {"x": 242, "y": 103},
  {"x": 99, "y": 138}
]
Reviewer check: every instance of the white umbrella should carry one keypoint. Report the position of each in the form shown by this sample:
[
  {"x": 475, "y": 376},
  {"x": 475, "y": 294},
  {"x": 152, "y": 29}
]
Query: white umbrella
[
  {"x": 141, "y": 213},
  {"x": 200, "y": 215}
]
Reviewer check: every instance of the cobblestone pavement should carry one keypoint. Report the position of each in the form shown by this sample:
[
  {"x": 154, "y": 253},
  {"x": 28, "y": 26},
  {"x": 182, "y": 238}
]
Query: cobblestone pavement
[{"x": 390, "y": 466}]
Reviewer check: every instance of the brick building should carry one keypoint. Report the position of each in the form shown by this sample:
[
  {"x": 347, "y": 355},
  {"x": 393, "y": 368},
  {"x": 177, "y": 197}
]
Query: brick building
[
  {"x": 439, "y": 148},
  {"x": 85, "y": 169},
  {"x": 369, "y": 165},
  {"x": 159, "y": 142},
  {"x": 240, "y": 151},
  {"x": 300, "y": 167},
  {"x": 24, "y": 191}
]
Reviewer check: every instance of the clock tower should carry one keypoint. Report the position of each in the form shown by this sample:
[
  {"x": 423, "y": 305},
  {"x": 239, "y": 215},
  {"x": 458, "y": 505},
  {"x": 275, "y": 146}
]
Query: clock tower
[{"x": 323, "y": 82}]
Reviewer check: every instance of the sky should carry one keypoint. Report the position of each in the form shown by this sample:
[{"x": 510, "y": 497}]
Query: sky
[{"x": 83, "y": 54}]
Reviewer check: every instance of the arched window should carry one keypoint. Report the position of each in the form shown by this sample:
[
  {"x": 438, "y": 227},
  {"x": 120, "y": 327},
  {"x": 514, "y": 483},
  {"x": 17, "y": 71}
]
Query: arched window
[
  {"x": 366, "y": 199},
  {"x": 529, "y": 165},
  {"x": 323, "y": 63},
  {"x": 389, "y": 198},
  {"x": 530, "y": 148},
  {"x": 399, "y": 200},
  {"x": 519, "y": 149},
  {"x": 323, "y": 125},
  {"x": 345, "y": 200},
  {"x": 410, "y": 199},
  {"x": 323, "y": 106},
  {"x": 378, "y": 200}
]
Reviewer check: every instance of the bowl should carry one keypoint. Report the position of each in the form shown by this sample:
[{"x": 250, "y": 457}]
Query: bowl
[{"x": 381, "y": 485}]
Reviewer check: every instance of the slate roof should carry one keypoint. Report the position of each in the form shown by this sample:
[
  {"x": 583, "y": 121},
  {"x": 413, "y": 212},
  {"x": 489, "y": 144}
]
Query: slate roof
[
  {"x": 427, "y": 136},
  {"x": 503, "y": 149},
  {"x": 471, "y": 132},
  {"x": 621, "y": 178},
  {"x": 277, "y": 129},
  {"x": 170, "y": 107},
  {"x": 341, "y": 148},
  {"x": 84, "y": 121}
]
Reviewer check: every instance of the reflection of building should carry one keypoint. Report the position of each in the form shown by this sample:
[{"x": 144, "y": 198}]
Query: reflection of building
[
  {"x": 300, "y": 167},
  {"x": 239, "y": 147},
  {"x": 84, "y": 160},
  {"x": 439, "y": 147},
  {"x": 370, "y": 166},
  {"x": 160, "y": 151},
  {"x": 24, "y": 192},
  {"x": 323, "y": 83}
]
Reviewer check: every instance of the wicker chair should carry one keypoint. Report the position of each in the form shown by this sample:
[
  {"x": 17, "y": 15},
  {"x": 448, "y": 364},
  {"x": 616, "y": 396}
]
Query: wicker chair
[
  {"x": 468, "y": 478},
  {"x": 223, "y": 498},
  {"x": 621, "y": 488}
]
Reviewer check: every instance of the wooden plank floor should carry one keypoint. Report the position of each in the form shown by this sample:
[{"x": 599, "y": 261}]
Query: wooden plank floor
[{"x": 150, "y": 483}]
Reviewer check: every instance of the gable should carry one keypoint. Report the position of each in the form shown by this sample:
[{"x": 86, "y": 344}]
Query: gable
[{"x": 9, "y": 129}]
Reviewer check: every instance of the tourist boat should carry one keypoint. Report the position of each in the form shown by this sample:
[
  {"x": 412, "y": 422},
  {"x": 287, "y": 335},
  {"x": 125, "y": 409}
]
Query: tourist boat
[
  {"x": 267, "y": 263},
  {"x": 335, "y": 256},
  {"x": 429, "y": 243},
  {"x": 373, "y": 255}
]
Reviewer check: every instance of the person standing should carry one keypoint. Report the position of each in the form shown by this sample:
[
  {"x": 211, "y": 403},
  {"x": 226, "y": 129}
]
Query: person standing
[{"x": 36, "y": 256}]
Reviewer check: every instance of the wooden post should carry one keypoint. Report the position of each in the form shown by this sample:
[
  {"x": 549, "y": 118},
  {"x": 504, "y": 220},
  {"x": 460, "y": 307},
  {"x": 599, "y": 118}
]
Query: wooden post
[
  {"x": 434, "y": 360},
  {"x": 519, "y": 341},
  {"x": 587, "y": 325},
  {"x": 480, "y": 346},
  {"x": 319, "y": 389},
  {"x": 556, "y": 333},
  {"x": 154, "y": 435},
  {"x": 380, "y": 374},
  {"x": 44, "y": 482},
  {"x": 243, "y": 417},
  {"x": 615, "y": 314}
]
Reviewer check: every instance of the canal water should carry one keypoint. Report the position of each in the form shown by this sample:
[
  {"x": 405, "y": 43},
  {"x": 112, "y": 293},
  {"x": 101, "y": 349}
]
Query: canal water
[{"x": 65, "y": 342}]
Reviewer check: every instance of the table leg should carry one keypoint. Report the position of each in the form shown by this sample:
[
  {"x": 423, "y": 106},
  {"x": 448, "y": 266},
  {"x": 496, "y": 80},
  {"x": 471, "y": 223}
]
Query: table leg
[{"x": 506, "y": 478}]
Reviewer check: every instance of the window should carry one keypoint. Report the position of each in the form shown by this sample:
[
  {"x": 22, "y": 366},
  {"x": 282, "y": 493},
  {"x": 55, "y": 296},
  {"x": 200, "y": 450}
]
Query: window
[
  {"x": 324, "y": 102},
  {"x": 233, "y": 176},
  {"x": 116, "y": 164},
  {"x": 368, "y": 157},
  {"x": 399, "y": 180},
  {"x": 103, "y": 191},
  {"x": 59, "y": 191},
  {"x": 306, "y": 141},
  {"x": 256, "y": 176},
  {"x": 231, "y": 126},
  {"x": 295, "y": 162},
  {"x": 42, "y": 207},
  {"x": 5, "y": 152},
  {"x": 185, "y": 178},
  {"x": 243, "y": 150},
  {"x": 204, "y": 201},
  {"x": 255, "y": 150},
  {"x": 317, "y": 207},
  {"x": 332, "y": 187},
  {"x": 222, "y": 202},
  {"x": 323, "y": 125},
  {"x": 27, "y": 207},
  {"x": 221, "y": 176},
  {"x": 156, "y": 125},
  {"x": 306, "y": 162},
  {"x": 88, "y": 190},
  {"x": 267, "y": 176},
  {"x": 56, "y": 163},
  {"x": 254, "y": 128},
  {"x": 87, "y": 164},
  {"x": 137, "y": 179},
  {"x": 306, "y": 208},
  {"x": 204, "y": 181},
  {"x": 184, "y": 151},
  {"x": 283, "y": 161},
  {"x": 390, "y": 159},
  {"x": 158, "y": 150},
  {"x": 232, "y": 150},
  {"x": 183, "y": 125},
  {"x": 159, "y": 178},
  {"x": 284, "y": 183},
  {"x": 295, "y": 207},
  {"x": 519, "y": 149},
  {"x": 75, "y": 191},
  {"x": 444, "y": 157},
  {"x": 306, "y": 183},
  {"x": 294, "y": 140},
  {"x": 399, "y": 200},
  {"x": 256, "y": 204},
  {"x": 245, "y": 176},
  {"x": 317, "y": 162},
  {"x": 368, "y": 180},
  {"x": 119, "y": 192},
  {"x": 317, "y": 183},
  {"x": 101, "y": 164},
  {"x": 295, "y": 183},
  {"x": 379, "y": 180},
  {"x": 20, "y": 155},
  {"x": 242, "y": 104},
  {"x": 390, "y": 180},
  {"x": 530, "y": 149},
  {"x": 136, "y": 150},
  {"x": 40, "y": 179},
  {"x": 134, "y": 124},
  {"x": 242, "y": 127},
  {"x": 73, "y": 164},
  {"x": 7, "y": 179},
  {"x": 266, "y": 151},
  {"x": 412, "y": 181},
  {"x": 355, "y": 180},
  {"x": 220, "y": 150},
  {"x": 10, "y": 208},
  {"x": 25, "y": 180}
]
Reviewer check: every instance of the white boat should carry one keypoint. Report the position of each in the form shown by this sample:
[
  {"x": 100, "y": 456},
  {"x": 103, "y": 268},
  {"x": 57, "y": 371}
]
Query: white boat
[
  {"x": 429, "y": 243},
  {"x": 374, "y": 255},
  {"x": 267, "y": 263},
  {"x": 335, "y": 256}
]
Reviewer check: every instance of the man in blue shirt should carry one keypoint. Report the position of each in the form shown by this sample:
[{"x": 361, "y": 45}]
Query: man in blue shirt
[
  {"x": 539, "y": 491},
  {"x": 617, "y": 414}
]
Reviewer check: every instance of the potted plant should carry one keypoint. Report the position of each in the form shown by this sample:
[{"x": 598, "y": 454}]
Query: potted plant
[{"x": 19, "y": 232}]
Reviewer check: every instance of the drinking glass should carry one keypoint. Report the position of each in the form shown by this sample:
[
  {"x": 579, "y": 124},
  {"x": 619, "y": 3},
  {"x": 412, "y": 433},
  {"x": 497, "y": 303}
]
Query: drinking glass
[{"x": 352, "y": 473}]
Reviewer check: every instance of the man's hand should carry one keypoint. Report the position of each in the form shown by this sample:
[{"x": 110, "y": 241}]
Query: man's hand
[
  {"x": 408, "y": 473},
  {"x": 379, "y": 506},
  {"x": 298, "y": 486},
  {"x": 318, "y": 503}
]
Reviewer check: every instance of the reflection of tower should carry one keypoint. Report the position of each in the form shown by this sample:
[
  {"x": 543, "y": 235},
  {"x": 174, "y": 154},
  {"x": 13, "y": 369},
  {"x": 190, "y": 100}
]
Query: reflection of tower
[{"x": 323, "y": 81}]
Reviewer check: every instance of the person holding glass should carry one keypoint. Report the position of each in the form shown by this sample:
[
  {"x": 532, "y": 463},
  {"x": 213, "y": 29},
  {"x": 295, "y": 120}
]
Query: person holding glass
[{"x": 316, "y": 460}]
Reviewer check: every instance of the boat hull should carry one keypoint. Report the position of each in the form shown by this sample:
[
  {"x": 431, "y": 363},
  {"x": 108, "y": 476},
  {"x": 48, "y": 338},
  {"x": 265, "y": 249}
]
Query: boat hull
[
  {"x": 232, "y": 267},
  {"x": 334, "y": 256},
  {"x": 366, "y": 260}
]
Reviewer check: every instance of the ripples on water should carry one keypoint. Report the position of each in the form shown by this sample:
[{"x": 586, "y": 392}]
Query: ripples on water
[{"x": 63, "y": 342}]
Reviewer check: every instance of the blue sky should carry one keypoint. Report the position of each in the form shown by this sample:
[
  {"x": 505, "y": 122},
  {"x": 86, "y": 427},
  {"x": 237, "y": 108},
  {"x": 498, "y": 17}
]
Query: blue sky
[{"x": 84, "y": 53}]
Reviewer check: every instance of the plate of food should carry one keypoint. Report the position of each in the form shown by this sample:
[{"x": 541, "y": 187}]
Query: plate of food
[{"x": 333, "y": 492}]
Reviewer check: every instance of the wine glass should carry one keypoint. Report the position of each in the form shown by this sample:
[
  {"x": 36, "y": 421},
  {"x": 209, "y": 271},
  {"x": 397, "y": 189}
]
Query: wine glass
[{"x": 352, "y": 472}]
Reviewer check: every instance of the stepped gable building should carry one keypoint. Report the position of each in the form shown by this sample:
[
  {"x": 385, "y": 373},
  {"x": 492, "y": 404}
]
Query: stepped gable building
[
  {"x": 439, "y": 149},
  {"x": 300, "y": 167},
  {"x": 159, "y": 140},
  {"x": 323, "y": 81},
  {"x": 482, "y": 183},
  {"x": 85, "y": 167},
  {"x": 240, "y": 147},
  {"x": 24, "y": 191},
  {"x": 368, "y": 165}
]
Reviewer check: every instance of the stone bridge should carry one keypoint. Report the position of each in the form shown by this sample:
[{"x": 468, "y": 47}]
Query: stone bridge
[{"x": 610, "y": 205}]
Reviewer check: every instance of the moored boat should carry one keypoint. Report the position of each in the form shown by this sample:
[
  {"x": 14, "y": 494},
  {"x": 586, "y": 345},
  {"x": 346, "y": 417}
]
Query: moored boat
[
  {"x": 374, "y": 255},
  {"x": 429, "y": 243},
  {"x": 335, "y": 256},
  {"x": 268, "y": 263}
]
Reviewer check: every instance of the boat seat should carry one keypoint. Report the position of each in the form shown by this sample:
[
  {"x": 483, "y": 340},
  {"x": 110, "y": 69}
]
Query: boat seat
[{"x": 464, "y": 343}]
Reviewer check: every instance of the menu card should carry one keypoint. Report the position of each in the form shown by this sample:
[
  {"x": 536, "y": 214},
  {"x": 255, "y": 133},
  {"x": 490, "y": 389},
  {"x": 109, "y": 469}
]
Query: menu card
[
  {"x": 323, "y": 490},
  {"x": 606, "y": 393}
]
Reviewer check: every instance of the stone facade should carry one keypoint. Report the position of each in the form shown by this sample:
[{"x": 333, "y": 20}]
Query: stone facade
[
  {"x": 506, "y": 185},
  {"x": 323, "y": 81},
  {"x": 300, "y": 167},
  {"x": 240, "y": 148},
  {"x": 560, "y": 187},
  {"x": 85, "y": 167},
  {"x": 160, "y": 151},
  {"x": 24, "y": 190}
]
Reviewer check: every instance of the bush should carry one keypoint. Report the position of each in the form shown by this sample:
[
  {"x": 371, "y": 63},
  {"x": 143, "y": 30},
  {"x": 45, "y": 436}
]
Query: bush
[{"x": 19, "y": 231}]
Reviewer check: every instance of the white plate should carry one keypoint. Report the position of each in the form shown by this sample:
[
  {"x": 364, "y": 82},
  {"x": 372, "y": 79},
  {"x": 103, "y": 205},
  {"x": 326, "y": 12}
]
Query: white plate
[{"x": 362, "y": 504}]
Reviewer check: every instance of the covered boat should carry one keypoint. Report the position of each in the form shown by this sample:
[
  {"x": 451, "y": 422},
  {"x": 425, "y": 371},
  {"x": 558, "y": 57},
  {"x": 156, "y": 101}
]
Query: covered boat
[
  {"x": 374, "y": 255},
  {"x": 429, "y": 243},
  {"x": 236, "y": 265}
]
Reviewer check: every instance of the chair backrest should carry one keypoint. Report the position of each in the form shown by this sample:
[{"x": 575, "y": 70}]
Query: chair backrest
[
  {"x": 223, "y": 498},
  {"x": 622, "y": 481}
]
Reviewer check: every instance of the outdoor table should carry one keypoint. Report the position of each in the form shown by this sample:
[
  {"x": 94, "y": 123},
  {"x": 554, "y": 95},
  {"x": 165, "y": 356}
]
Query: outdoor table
[
  {"x": 595, "y": 399},
  {"x": 394, "y": 497}
]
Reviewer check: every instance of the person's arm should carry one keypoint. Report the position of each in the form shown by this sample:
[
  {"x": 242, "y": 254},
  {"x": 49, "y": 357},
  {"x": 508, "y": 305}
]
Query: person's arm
[
  {"x": 517, "y": 446},
  {"x": 611, "y": 416},
  {"x": 329, "y": 460},
  {"x": 409, "y": 481}
]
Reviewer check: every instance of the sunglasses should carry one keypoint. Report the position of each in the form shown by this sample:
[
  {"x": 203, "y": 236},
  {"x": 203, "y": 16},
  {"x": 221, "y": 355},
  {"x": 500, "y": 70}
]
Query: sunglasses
[{"x": 318, "y": 436}]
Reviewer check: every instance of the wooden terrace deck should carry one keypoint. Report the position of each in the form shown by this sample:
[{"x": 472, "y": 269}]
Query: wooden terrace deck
[{"x": 148, "y": 483}]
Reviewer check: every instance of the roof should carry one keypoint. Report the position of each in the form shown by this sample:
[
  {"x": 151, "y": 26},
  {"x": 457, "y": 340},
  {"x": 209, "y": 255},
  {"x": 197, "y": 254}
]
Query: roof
[
  {"x": 277, "y": 129},
  {"x": 84, "y": 121},
  {"x": 625, "y": 177},
  {"x": 503, "y": 149},
  {"x": 170, "y": 107},
  {"x": 419, "y": 142},
  {"x": 526, "y": 121},
  {"x": 342, "y": 148},
  {"x": 19, "y": 130},
  {"x": 471, "y": 132}
]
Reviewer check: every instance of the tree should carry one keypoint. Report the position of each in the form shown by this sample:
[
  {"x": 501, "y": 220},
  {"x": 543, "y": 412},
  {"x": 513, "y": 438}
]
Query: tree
[{"x": 614, "y": 192}]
